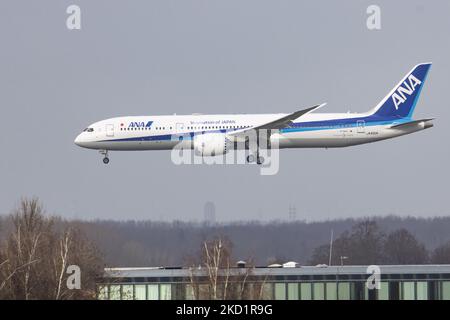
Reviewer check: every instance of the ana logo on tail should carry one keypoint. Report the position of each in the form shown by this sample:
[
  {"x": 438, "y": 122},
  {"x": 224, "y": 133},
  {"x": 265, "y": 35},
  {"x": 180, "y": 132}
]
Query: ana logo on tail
[{"x": 408, "y": 88}]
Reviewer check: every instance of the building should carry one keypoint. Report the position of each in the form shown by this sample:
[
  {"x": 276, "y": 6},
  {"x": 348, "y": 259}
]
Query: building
[
  {"x": 292, "y": 282},
  {"x": 209, "y": 213}
]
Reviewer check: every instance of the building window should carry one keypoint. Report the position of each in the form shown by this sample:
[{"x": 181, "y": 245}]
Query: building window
[
  {"x": 407, "y": 291},
  {"x": 331, "y": 290},
  {"x": 383, "y": 292},
  {"x": 190, "y": 292},
  {"x": 421, "y": 290},
  {"x": 293, "y": 291},
  {"x": 165, "y": 292},
  {"x": 139, "y": 292},
  {"x": 152, "y": 292},
  {"x": 127, "y": 292},
  {"x": 344, "y": 291},
  {"x": 445, "y": 290},
  {"x": 266, "y": 291},
  {"x": 318, "y": 291},
  {"x": 114, "y": 292},
  {"x": 280, "y": 291},
  {"x": 103, "y": 292},
  {"x": 305, "y": 291}
]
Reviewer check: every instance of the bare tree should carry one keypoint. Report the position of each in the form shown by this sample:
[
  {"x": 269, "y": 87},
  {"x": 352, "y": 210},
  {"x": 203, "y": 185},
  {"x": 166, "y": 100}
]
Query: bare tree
[
  {"x": 214, "y": 277},
  {"x": 367, "y": 244},
  {"x": 401, "y": 247},
  {"x": 441, "y": 255},
  {"x": 22, "y": 248},
  {"x": 35, "y": 256},
  {"x": 363, "y": 245}
]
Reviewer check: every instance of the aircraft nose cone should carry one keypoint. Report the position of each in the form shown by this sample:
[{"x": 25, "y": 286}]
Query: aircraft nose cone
[{"x": 77, "y": 140}]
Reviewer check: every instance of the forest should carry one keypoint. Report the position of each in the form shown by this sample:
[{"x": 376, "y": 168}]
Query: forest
[{"x": 154, "y": 243}]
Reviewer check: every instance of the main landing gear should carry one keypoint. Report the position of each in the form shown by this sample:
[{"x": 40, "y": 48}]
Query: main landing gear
[
  {"x": 251, "y": 158},
  {"x": 254, "y": 155},
  {"x": 105, "y": 156}
]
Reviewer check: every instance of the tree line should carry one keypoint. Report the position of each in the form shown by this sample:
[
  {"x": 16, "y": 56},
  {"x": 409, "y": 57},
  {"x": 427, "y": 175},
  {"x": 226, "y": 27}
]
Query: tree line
[
  {"x": 154, "y": 243},
  {"x": 367, "y": 244}
]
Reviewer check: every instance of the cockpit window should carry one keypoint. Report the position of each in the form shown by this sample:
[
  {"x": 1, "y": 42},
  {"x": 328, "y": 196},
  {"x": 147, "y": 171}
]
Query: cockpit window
[{"x": 88, "y": 130}]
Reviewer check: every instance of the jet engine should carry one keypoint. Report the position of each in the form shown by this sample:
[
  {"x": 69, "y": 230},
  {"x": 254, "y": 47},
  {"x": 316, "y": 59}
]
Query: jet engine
[{"x": 211, "y": 144}]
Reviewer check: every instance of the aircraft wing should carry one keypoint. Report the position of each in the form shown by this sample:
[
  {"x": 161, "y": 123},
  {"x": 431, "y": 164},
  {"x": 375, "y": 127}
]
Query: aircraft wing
[{"x": 283, "y": 122}]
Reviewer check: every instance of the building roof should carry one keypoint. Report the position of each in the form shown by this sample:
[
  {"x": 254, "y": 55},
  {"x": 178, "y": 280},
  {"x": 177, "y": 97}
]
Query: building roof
[{"x": 153, "y": 272}]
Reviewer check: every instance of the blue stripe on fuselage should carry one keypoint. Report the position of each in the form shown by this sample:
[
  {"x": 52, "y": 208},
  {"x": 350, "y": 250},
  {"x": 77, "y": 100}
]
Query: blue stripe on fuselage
[
  {"x": 295, "y": 127},
  {"x": 342, "y": 123}
]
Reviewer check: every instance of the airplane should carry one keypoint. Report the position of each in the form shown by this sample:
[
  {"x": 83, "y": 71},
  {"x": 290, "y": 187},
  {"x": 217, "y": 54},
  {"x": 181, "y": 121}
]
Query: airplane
[{"x": 212, "y": 135}]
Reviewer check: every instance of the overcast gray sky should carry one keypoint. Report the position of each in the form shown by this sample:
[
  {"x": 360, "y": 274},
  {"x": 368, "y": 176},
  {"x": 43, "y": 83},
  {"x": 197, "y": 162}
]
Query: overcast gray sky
[{"x": 165, "y": 57}]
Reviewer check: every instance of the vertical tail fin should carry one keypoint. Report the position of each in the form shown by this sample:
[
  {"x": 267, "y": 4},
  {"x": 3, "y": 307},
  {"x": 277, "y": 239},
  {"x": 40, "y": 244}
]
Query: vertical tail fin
[{"x": 402, "y": 99}]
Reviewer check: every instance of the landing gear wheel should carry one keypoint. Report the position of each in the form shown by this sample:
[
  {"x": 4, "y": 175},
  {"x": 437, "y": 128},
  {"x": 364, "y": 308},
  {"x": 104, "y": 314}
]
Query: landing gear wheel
[
  {"x": 104, "y": 153},
  {"x": 260, "y": 160},
  {"x": 250, "y": 158}
]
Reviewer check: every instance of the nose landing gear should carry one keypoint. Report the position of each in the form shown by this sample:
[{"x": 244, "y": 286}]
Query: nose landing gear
[{"x": 105, "y": 156}]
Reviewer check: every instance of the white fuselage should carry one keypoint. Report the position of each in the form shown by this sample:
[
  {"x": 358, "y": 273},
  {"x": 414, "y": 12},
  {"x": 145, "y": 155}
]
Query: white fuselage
[{"x": 315, "y": 130}]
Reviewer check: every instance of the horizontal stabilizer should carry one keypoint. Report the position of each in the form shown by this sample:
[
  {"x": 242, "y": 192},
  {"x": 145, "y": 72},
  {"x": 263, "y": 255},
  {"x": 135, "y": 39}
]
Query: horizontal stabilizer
[{"x": 426, "y": 122}]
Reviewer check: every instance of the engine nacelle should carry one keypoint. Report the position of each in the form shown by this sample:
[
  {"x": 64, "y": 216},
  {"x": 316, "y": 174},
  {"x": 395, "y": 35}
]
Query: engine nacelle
[{"x": 210, "y": 144}]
